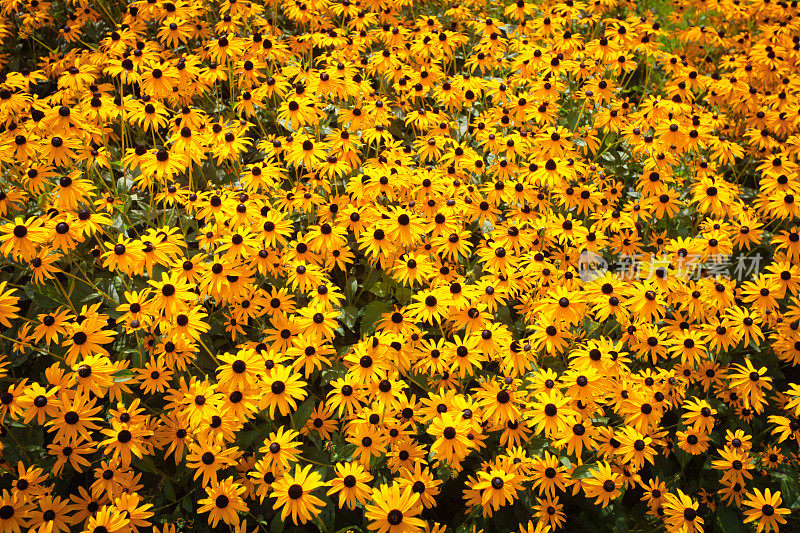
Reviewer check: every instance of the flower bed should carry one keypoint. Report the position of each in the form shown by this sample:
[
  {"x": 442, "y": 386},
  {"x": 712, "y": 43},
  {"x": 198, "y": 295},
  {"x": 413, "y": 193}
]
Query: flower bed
[{"x": 399, "y": 266}]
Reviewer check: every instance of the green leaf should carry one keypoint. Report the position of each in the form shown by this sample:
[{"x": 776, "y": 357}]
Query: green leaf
[
  {"x": 327, "y": 518},
  {"x": 352, "y": 286},
  {"x": 246, "y": 438},
  {"x": 504, "y": 315},
  {"x": 169, "y": 492},
  {"x": 374, "y": 277},
  {"x": 583, "y": 471},
  {"x": 464, "y": 528},
  {"x": 789, "y": 489},
  {"x": 372, "y": 313},
  {"x": 303, "y": 413},
  {"x": 349, "y": 316},
  {"x": 403, "y": 294},
  {"x": 728, "y": 521},
  {"x": 145, "y": 466},
  {"x": 683, "y": 457},
  {"x": 276, "y": 526},
  {"x": 538, "y": 443},
  {"x": 796, "y": 505},
  {"x": 122, "y": 375},
  {"x": 317, "y": 455}
]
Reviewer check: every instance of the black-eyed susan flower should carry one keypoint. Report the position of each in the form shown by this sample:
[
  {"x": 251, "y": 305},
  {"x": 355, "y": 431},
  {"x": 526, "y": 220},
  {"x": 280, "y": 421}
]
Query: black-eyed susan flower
[
  {"x": 351, "y": 485},
  {"x": 293, "y": 494},
  {"x": 394, "y": 510},
  {"x": 223, "y": 502},
  {"x": 765, "y": 509}
]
